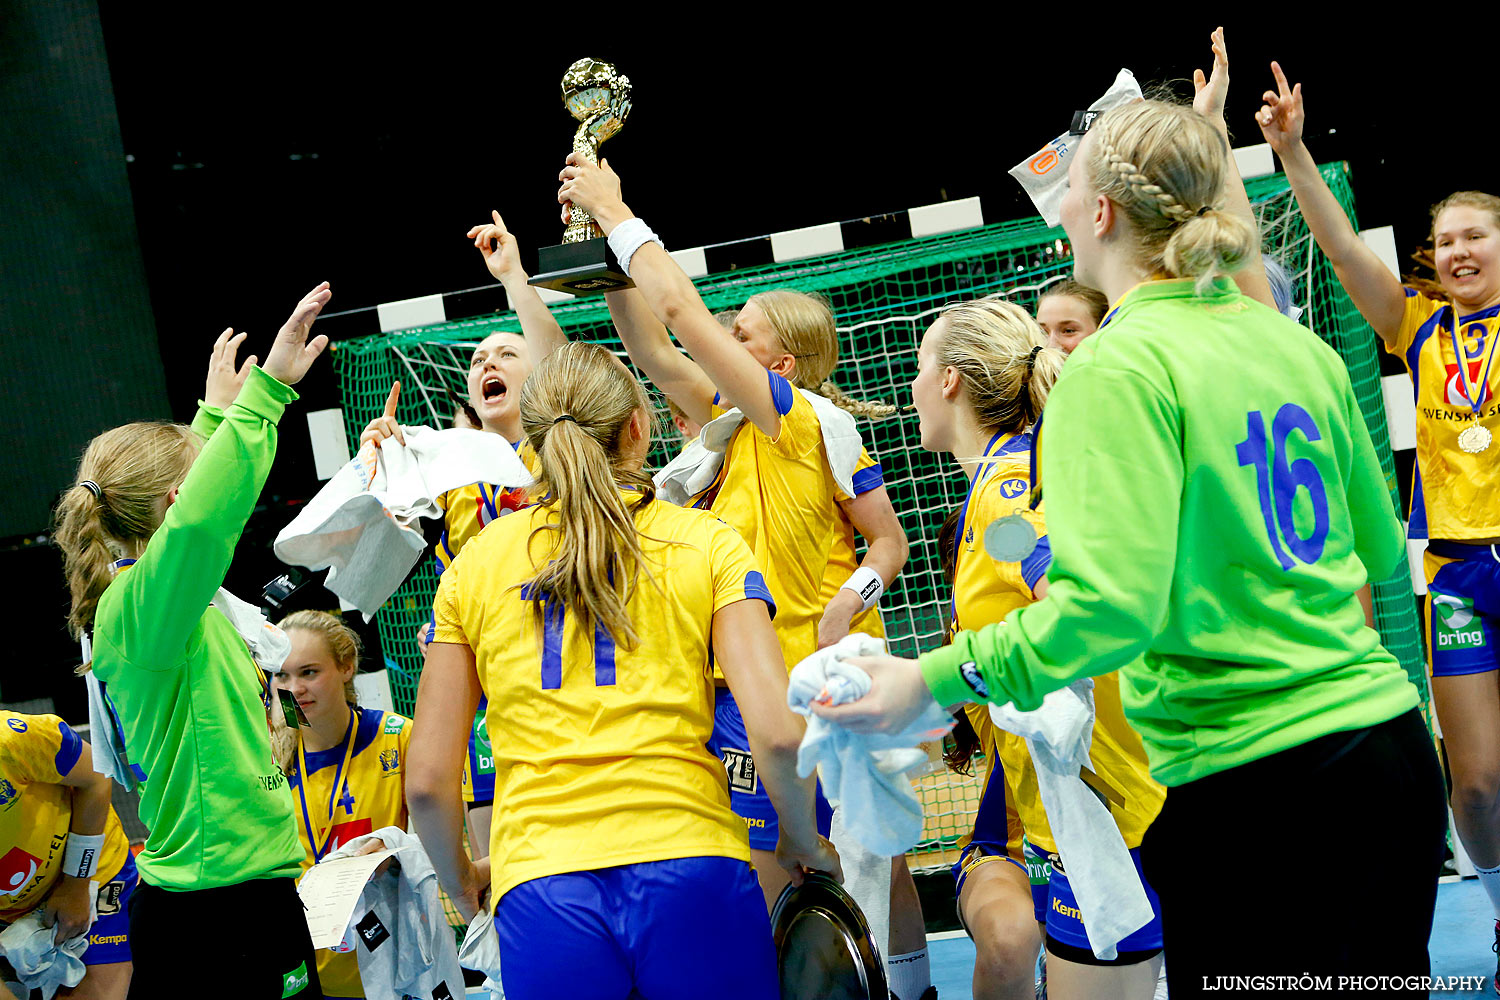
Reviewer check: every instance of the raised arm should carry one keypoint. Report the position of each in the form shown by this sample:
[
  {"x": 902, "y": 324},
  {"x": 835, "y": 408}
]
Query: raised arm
[
  {"x": 154, "y": 608},
  {"x": 1376, "y": 292},
  {"x": 1208, "y": 100},
  {"x": 651, "y": 348},
  {"x": 672, "y": 299},
  {"x": 746, "y": 650},
  {"x": 503, "y": 257},
  {"x": 447, "y": 697}
]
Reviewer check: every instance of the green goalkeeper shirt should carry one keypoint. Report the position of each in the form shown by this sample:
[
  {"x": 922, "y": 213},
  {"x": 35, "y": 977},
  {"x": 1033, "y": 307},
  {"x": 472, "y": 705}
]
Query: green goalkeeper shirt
[
  {"x": 1214, "y": 502},
  {"x": 217, "y": 808}
]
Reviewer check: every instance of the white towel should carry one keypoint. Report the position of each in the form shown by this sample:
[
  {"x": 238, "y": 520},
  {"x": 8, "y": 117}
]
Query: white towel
[
  {"x": 867, "y": 879},
  {"x": 40, "y": 963},
  {"x": 268, "y": 646},
  {"x": 1104, "y": 879},
  {"x": 696, "y": 466},
  {"x": 1044, "y": 174},
  {"x": 359, "y": 525},
  {"x": 404, "y": 944},
  {"x": 864, "y": 773},
  {"x": 480, "y": 951}
]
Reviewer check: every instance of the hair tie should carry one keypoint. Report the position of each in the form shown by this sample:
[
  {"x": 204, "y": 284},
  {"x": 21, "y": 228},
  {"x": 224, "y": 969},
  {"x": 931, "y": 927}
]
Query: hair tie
[
  {"x": 1205, "y": 210},
  {"x": 1030, "y": 364},
  {"x": 93, "y": 488},
  {"x": 565, "y": 416}
]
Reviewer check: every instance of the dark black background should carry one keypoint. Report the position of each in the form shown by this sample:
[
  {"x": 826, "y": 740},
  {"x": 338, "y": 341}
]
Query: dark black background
[{"x": 267, "y": 149}]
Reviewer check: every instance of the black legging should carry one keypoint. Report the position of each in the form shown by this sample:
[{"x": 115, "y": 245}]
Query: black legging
[
  {"x": 1321, "y": 859},
  {"x": 248, "y": 940}
]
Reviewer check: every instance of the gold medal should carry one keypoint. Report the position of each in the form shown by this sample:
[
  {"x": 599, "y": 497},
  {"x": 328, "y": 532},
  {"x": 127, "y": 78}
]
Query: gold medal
[
  {"x": 1474, "y": 439},
  {"x": 1009, "y": 539}
]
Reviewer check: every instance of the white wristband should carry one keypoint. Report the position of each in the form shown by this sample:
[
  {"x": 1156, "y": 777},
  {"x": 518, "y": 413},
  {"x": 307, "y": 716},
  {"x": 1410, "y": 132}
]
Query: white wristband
[
  {"x": 867, "y": 584},
  {"x": 80, "y": 854},
  {"x": 628, "y": 237}
]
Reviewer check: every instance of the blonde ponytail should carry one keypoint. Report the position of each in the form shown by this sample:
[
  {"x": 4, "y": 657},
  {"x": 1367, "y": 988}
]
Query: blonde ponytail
[
  {"x": 1002, "y": 357},
  {"x": 1164, "y": 165},
  {"x": 132, "y": 468},
  {"x": 575, "y": 408},
  {"x": 804, "y": 325}
]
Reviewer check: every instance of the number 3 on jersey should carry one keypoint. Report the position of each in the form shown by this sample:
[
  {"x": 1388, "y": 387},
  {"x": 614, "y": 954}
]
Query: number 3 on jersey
[{"x": 1277, "y": 483}]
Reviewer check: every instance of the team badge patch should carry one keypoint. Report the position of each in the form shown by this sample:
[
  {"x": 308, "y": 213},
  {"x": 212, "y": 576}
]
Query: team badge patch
[
  {"x": 7, "y": 792},
  {"x": 741, "y": 768},
  {"x": 390, "y": 759},
  {"x": 970, "y": 672}
]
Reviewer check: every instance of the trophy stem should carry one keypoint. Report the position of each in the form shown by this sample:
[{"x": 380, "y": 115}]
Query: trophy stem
[{"x": 581, "y": 225}]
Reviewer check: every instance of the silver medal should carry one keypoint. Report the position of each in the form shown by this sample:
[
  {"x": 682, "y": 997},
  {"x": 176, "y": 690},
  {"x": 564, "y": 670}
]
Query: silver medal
[
  {"x": 1473, "y": 439},
  {"x": 1009, "y": 539}
]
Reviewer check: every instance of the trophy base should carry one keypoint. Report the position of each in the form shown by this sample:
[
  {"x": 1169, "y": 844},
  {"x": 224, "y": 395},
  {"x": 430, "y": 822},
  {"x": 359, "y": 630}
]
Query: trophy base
[{"x": 585, "y": 268}]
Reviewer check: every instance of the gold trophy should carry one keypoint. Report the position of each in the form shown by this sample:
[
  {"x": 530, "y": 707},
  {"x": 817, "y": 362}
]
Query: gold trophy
[{"x": 598, "y": 95}]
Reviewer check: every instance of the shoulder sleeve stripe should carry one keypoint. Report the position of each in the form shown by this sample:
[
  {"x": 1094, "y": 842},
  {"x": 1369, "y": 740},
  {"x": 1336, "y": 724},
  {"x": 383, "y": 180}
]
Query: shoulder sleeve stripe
[
  {"x": 70, "y": 751},
  {"x": 1035, "y": 566},
  {"x": 755, "y": 587},
  {"x": 367, "y": 728},
  {"x": 782, "y": 393},
  {"x": 869, "y": 478}
]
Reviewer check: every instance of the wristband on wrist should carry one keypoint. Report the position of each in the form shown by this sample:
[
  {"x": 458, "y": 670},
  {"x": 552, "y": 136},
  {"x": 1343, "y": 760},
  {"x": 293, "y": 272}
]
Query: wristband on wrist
[
  {"x": 81, "y": 854},
  {"x": 867, "y": 584},
  {"x": 628, "y": 237}
]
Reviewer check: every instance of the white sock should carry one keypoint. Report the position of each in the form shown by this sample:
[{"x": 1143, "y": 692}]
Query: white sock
[
  {"x": 1490, "y": 879},
  {"x": 909, "y": 974}
]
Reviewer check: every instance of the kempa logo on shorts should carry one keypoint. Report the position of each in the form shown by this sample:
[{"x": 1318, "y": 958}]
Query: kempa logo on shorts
[
  {"x": 294, "y": 982},
  {"x": 1454, "y": 625}
]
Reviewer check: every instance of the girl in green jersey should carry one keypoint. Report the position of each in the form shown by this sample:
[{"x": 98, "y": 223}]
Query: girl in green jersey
[
  {"x": 1214, "y": 505},
  {"x": 147, "y": 532}
]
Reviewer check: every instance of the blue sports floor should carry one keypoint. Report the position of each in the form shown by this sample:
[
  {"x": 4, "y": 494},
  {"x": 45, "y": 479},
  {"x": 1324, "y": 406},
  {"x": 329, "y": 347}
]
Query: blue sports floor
[{"x": 1462, "y": 935}]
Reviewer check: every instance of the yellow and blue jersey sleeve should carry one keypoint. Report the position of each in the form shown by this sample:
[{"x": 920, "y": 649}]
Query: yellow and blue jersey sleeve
[
  {"x": 36, "y": 810},
  {"x": 1458, "y": 493},
  {"x": 868, "y": 475},
  {"x": 468, "y": 509},
  {"x": 736, "y": 577}
]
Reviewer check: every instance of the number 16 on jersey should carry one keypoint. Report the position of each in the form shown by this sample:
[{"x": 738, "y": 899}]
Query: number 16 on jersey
[{"x": 1277, "y": 483}]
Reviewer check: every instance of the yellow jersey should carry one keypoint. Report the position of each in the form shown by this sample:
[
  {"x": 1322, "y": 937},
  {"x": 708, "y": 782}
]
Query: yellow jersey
[
  {"x": 780, "y": 495},
  {"x": 350, "y": 790},
  {"x": 985, "y": 591},
  {"x": 599, "y": 751},
  {"x": 1461, "y": 490},
  {"x": 36, "y": 753}
]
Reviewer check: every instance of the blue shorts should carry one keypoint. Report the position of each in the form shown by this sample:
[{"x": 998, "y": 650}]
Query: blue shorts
[
  {"x": 1463, "y": 608},
  {"x": 1057, "y": 907},
  {"x": 747, "y": 796},
  {"x": 109, "y": 937},
  {"x": 669, "y": 930}
]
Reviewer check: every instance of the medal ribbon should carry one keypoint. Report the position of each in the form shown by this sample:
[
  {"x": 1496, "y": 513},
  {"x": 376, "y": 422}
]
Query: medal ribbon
[
  {"x": 321, "y": 834},
  {"x": 1475, "y": 399}
]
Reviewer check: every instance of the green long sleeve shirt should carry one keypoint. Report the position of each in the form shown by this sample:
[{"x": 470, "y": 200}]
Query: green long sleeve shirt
[
  {"x": 217, "y": 809},
  {"x": 1214, "y": 502}
]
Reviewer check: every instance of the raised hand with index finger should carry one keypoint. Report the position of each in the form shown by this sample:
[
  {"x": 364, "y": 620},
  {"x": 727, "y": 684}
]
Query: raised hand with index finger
[
  {"x": 502, "y": 255},
  {"x": 1281, "y": 119},
  {"x": 385, "y": 425}
]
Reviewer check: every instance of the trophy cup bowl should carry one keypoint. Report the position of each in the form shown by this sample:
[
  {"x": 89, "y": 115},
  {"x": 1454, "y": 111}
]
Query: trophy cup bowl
[{"x": 598, "y": 96}]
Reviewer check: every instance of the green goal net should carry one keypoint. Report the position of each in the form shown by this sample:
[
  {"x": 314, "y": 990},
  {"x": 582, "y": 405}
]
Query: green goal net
[{"x": 883, "y": 298}]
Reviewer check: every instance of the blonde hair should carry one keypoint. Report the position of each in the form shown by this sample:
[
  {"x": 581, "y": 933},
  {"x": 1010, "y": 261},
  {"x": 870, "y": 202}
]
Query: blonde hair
[
  {"x": 343, "y": 644},
  {"x": 1164, "y": 165},
  {"x": 1469, "y": 199},
  {"x": 134, "y": 467},
  {"x": 804, "y": 324},
  {"x": 574, "y": 409},
  {"x": 1092, "y": 299},
  {"x": 1003, "y": 359}
]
